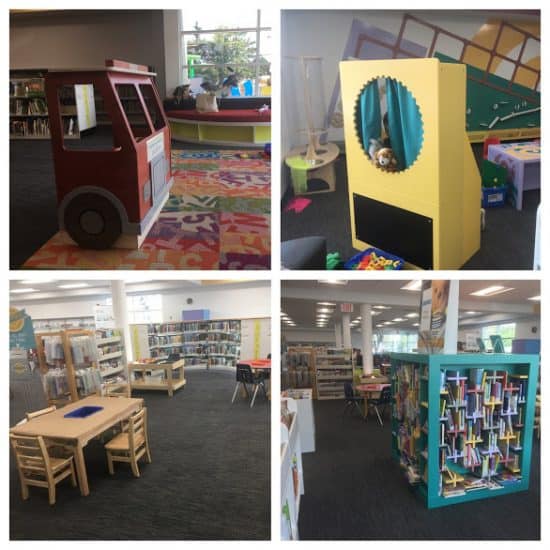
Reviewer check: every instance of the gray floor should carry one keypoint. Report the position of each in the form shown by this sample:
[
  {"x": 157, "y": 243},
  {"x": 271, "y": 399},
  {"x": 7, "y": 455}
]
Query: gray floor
[
  {"x": 506, "y": 243},
  {"x": 354, "y": 490},
  {"x": 209, "y": 479}
]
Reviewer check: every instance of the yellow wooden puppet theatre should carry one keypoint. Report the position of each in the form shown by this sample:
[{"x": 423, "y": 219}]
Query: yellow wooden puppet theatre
[{"x": 427, "y": 212}]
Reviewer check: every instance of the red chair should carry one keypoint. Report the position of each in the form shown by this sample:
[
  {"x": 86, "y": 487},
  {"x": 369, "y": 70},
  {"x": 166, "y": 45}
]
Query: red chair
[{"x": 489, "y": 141}]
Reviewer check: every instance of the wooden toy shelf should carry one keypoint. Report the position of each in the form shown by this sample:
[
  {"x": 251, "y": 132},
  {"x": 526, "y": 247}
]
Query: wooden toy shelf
[
  {"x": 462, "y": 425},
  {"x": 171, "y": 380}
]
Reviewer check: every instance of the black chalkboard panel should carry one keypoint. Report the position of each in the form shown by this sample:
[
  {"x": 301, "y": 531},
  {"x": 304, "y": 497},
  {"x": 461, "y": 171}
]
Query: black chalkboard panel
[{"x": 395, "y": 230}]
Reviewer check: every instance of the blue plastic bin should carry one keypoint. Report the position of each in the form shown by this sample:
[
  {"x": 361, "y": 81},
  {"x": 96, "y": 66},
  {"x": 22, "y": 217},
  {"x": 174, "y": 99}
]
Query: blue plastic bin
[
  {"x": 83, "y": 412},
  {"x": 493, "y": 196},
  {"x": 358, "y": 257}
]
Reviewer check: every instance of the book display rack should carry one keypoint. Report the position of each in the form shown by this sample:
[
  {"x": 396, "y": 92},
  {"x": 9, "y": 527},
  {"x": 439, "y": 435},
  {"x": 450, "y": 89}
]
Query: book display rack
[{"x": 462, "y": 425}]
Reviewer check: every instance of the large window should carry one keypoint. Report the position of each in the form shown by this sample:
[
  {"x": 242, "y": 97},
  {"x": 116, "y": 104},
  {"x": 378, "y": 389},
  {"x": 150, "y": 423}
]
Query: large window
[
  {"x": 229, "y": 48},
  {"x": 397, "y": 342},
  {"x": 506, "y": 331}
]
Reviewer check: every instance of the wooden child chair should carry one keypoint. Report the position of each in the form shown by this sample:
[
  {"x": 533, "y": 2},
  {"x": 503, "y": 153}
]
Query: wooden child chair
[
  {"x": 37, "y": 468},
  {"x": 130, "y": 445},
  {"x": 34, "y": 414}
]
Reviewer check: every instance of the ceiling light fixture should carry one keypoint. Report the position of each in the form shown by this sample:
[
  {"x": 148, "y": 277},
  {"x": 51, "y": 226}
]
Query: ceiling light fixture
[
  {"x": 332, "y": 282},
  {"x": 413, "y": 285},
  {"x": 326, "y": 304},
  {"x": 398, "y": 319},
  {"x": 73, "y": 285},
  {"x": 381, "y": 307},
  {"x": 23, "y": 290},
  {"x": 411, "y": 315},
  {"x": 491, "y": 291},
  {"x": 534, "y": 298}
]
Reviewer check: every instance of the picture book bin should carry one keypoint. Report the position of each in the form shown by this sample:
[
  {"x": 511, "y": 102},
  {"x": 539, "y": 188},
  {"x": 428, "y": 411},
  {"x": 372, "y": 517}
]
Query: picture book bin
[
  {"x": 462, "y": 425},
  {"x": 428, "y": 212}
]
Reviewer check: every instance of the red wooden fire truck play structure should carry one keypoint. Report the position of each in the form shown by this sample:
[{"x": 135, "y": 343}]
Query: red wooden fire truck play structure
[{"x": 109, "y": 191}]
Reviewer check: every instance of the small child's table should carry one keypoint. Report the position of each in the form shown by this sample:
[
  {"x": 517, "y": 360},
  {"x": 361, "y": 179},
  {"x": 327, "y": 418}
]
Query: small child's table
[{"x": 522, "y": 160}]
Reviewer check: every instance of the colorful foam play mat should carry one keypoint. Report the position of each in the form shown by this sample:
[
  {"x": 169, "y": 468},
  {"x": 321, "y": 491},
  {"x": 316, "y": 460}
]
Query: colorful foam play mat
[{"x": 217, "y": 217}]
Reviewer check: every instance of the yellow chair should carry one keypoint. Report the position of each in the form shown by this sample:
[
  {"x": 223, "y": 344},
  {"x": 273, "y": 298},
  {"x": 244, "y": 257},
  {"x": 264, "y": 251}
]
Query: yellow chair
[
  {"x": 130, "y": 445},
  {"x": 37, "y": 468},
  {"x": 34, "y": 414}
]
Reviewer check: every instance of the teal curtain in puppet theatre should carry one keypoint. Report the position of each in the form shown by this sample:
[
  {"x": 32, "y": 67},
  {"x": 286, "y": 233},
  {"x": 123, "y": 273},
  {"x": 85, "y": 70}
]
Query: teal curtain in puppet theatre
[
  {"x": 369, "y": 119},
  {"x": 405, "y": 125}
]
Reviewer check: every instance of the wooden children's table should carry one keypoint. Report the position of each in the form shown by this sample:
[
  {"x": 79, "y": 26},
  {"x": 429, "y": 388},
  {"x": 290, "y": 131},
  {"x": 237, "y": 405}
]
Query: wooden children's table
[
  {"x": 77, "y": 432},
  {"x": 522, "y": 160},
  {"x": 169, "y": 382}
]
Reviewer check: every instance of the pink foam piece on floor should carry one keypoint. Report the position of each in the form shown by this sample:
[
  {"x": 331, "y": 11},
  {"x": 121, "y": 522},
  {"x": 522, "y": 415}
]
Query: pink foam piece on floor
[{"x": 298, "y": 204}]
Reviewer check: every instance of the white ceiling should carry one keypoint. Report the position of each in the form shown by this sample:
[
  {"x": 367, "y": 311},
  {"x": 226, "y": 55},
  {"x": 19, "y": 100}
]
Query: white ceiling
[
  {"x": 50, "y": 292},
  {"x": 299, "y": 300}
]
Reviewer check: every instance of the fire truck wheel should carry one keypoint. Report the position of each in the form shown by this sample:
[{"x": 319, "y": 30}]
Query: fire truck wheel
[{"x": 92, "y": 221}]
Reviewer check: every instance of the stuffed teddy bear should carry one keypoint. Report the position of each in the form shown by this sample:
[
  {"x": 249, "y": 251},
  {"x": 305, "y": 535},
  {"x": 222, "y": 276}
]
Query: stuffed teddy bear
[
  {"x": 374, "y": 146},
  {"x": 385, "y": 160}
]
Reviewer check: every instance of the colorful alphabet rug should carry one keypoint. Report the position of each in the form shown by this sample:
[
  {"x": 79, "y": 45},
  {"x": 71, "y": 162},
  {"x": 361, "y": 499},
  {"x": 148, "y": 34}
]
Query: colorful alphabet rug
[{"x": 217, "y": 217}]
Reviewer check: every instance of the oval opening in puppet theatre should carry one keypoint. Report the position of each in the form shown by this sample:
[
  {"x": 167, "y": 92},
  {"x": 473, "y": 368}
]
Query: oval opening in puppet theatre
[{"x": 389, "y": 125}]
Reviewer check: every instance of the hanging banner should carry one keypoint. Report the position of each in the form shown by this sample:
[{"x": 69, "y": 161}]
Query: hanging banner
[
  {"x": 257, "y": 338},
  {"x": 140, "y": 342},
  {"x": 21, "y": 330},
  {"x": 433, "y": 316}
]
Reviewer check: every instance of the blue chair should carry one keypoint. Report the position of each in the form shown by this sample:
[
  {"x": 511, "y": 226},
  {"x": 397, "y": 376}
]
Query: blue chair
[
  {"x": 246, "y": 377},
  {"x": 382, "y": 401},
  {"x": 352, "y": 400},
  {"x": 480, "y": 345},
  {"x": 497, "y": 343}
]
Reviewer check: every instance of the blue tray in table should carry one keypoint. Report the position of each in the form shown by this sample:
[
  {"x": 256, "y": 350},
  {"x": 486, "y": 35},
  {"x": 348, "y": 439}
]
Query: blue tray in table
[{"x": 83, "y": 412}]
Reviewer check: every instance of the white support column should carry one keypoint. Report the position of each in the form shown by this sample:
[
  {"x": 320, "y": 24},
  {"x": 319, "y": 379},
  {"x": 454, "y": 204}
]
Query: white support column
[
  {"x": 366, "y": 338},
  {"x": 173, "y": 50},
  {"x": 346, "y": 331},
  {"x": 120, "y": 312},
  {"x": 338, "y": 334},
  {"x": 451, "y": 329}
]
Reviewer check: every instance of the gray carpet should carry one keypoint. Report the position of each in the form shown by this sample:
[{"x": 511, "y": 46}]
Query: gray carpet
[
  {"x": 354, "y": 490},
  {"x": 209, "y": 479},
  {"x": 33, "y": 204},
  {"x": 507, "y": 242}
]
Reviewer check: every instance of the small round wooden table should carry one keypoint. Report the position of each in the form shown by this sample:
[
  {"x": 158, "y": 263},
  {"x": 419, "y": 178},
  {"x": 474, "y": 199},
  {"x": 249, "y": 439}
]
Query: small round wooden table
[{"x": 322, "y": 169}]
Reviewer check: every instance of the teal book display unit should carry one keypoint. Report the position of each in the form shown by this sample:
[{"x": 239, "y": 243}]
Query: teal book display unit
[{"x": 462, "y": 425}]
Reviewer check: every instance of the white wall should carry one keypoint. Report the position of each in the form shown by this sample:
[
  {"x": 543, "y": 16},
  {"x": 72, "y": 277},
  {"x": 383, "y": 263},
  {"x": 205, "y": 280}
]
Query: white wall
[
  {"x": 523, "y": 329},
  {"x": 87, "y": 38},
  {"x": 76, "y": 307},
  {"x": 322, "y": 337},
  {"x": 235, "y": 303}
]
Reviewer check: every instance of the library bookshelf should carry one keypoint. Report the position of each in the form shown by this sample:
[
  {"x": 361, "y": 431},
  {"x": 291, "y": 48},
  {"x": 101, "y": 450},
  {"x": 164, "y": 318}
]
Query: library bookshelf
[{"x": 462, "y": 425}]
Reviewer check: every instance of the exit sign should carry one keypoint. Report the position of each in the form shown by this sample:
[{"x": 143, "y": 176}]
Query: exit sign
[{"x": 346, "y": 308}]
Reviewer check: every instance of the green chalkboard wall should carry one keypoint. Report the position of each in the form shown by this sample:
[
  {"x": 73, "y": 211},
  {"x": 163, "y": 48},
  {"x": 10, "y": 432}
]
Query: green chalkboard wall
[{"x": 485, "y": 102}]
